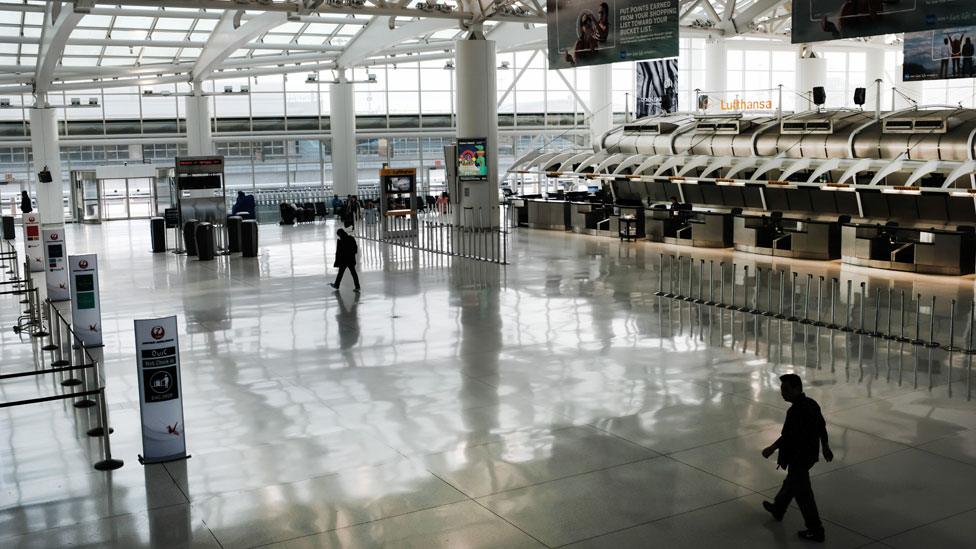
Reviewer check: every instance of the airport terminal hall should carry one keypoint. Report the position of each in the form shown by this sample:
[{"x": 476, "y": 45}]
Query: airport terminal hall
[{"x": 420, "y": 274}]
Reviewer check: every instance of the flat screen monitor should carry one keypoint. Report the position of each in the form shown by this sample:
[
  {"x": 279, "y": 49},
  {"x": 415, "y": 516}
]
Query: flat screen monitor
[
  {"x": 961, "y": 209},
  {"x": 732, "y": 196},
  {"x": 199, "y": 182},
  {"x": 472, "y": 159},
  {"x": 933, "y": 207},
  {"x": 847, "y": 203},
  {"x": 753, "y": 196},
  {"x": 799, "y": 200},
  {"x": 55, "y": 250},
  {"x": 693, "y": 193},
  {"x": 776, "y": 199},
  {"x": 874, "y": 204},
  {"x": 711, "y": 194},
  {"x": 85, "y": 283},
  {"x": 902, "y": 206},
  {"x": 399, "y": 183},
  {"x": 823, "y": 201}
]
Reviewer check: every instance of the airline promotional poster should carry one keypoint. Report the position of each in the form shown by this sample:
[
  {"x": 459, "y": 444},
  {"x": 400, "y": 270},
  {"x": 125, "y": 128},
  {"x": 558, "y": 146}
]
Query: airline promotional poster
[
  {"x": 598, "y": 32},
  {"x": 32, "y": 242},
  {"x": 55, "y": 264},
  {"x": 160, "y": 390},
  {"x": 819, "y": 20},
  {"x": 940, "y": 54},
  {"x": 86, "y": 311}
]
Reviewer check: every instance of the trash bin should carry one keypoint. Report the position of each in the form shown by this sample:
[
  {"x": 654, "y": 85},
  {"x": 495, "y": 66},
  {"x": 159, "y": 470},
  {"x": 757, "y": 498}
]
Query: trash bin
[
  {"x": 249, "y": 238},
  {"x": 190, "y": 236},
  {"x": 157, "y": 230},
  {"x": 205, "y": 241},
  {"x": 234, "y": 233},
  {"x": 8, "y": 228}
]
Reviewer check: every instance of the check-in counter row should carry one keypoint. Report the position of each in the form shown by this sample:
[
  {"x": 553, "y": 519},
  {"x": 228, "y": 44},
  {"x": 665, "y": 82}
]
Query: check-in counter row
[{"x": 932, "y": 251}]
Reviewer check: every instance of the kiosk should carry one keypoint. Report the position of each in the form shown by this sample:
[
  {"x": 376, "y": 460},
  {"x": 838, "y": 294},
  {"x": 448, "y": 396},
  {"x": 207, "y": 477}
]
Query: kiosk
[
  {"x": 200, "y": 190},
  {"x": 56, "y": 274},
  {"x": 86, "y": 312},
  {"x": 398, "y": 202}
]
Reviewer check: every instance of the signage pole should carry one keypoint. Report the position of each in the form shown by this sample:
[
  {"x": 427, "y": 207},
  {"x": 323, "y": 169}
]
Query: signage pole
[{"x": 160, "y": 390}]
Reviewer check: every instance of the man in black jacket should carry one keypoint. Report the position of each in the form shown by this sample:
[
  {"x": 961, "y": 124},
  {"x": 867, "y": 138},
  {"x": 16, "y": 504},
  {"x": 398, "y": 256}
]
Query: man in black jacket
[
  {"x": 346, "y": 250},
  {"x": 804, "y": 433}
]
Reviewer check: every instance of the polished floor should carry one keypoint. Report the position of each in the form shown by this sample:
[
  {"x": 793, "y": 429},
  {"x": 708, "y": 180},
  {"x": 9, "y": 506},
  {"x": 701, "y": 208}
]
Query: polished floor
[{"x": 553, "y": 402}]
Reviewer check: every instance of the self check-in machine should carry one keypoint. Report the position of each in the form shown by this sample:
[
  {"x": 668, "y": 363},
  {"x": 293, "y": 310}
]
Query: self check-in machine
[
  {"x": 86, "y": 312},
  {"x": 55, "y": 264},
  {"x": 160, "y": 390},
  {"x": 32, "y": 243}
]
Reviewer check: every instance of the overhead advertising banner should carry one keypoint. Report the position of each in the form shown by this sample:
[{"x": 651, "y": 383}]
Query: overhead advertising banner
[
  {"x": 55, "y": 264},
  {"x": 657, "y": 87},
  {"x": 32, "y": 243},
  {"x": 598, "y": 32},
  {"x": 86, "y": 312},
  {"x": 819, "y": 20},
  {"x": 160, "y": 390},
  {"x": 940, "y": 55}
]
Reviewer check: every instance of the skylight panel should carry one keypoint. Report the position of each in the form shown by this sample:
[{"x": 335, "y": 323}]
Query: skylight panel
[
  {"x": 130, "y": 22},
  {"x": 97, "y": 21},
  {"x": 174, "y": 23}
]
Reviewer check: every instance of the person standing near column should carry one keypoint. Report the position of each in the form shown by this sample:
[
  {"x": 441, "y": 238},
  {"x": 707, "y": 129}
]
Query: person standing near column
[
  {"x": 804, "y": 433},
  {"x": 346, "y": 250},
  {"x": 25, "y": 203}
]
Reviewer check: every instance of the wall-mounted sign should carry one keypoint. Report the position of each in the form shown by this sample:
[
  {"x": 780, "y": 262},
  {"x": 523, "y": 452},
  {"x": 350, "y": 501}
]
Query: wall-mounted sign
[
  {"x": 55, "y": 264},
  {"x": 33, "y": 250},
  {"x": 940, "y": 55},
  {"x": 86, "y": 311},
  {"x": 472, "y": 159},
  {"x": 160, "y": 390},
  {"x": 594, "y": 32},
  {"x": 657, "y": 87},
  {"x": 819, "y": 20}
]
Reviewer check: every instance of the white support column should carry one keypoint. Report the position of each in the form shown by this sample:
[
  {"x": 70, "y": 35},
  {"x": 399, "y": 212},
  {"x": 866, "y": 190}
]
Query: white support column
[
  {"x": 47, "y": 153},
  {"x": 716, "y": 65},
  {"x": 810, "y": 72},
  {"x": 342, "y": 121},
  {"x": 199, "y": 135},
  {"x": 477, "y": 205},
  {"x": 875, "y": 70},
  {"x": 601, "y": 104}
]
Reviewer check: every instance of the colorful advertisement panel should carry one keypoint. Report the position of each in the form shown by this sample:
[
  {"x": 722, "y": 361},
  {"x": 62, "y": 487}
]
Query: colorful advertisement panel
[
  {"x": 940, "y": 55},
  {"x": 472, "y": 165},
  {"x": 819, "y": 20},
  {"x": 657, "y": 87},
  {"x": 598, "y": 32}
]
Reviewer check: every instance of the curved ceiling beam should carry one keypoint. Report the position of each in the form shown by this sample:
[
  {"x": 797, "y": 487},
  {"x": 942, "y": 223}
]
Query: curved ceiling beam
[
  {"x": 226, "y": 39},
  {"x": 58, "y": 26},
  {"x": 377, "y": 36}
]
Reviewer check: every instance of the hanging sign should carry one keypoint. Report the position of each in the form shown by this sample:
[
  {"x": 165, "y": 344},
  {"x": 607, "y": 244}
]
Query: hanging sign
[
  {"x": 56, "y": 270},
  {"x": 86, "y": 312},
  {"x": 160, "y": 390},
  {"x": 32, "y": 243},
  {"x": 819, "y": 20}
]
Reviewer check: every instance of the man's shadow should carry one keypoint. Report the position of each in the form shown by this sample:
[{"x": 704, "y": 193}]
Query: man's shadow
[{"x": 347, "y": 320}]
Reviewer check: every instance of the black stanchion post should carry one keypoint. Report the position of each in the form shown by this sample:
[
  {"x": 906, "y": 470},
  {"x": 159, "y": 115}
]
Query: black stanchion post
[
  {"x": 901, "y": 338},
  {"x": 860, "y": 330},
  {"x": 701, "y": 279},
  {"x": 833, "y": 301},
  {"x": 932, "y": 343},
  {"x": 769, "y": 293},
  {"x": 107, "y": 463},
  {"x": 951, "y": 347},
  {"x": 792, "y": 317},
  {"x": 731, "y": 304},
  {"x": 918, "y": 322},
  {"x": 660, "y": 278},
  {"x": 755, "y": 297},
  {"x": 721, "y": 287},
  {"x": 819, "y": 322},
  {"x": 806, "y": 301},
  {"x": 711, "y": 283},
  {"x": 877, "y": 312},
  {"x": 781, "y": 314}
]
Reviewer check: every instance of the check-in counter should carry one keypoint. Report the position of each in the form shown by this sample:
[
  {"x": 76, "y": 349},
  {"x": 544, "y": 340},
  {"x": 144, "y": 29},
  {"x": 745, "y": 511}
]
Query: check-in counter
[
  {"x": 703, "y": 229},
  {"x": 590, "y": 218},
  {"x": 548, "y": 214},
  {"x": 932, "y": 251},
  {"x": 806, "y": 239},
  {"x": 521, "y": 212}
]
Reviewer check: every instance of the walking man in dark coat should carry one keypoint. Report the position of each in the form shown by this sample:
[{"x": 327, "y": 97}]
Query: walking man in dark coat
[
  {"x": 804, "y": 434},
  {"x": 346, "y": 250}
]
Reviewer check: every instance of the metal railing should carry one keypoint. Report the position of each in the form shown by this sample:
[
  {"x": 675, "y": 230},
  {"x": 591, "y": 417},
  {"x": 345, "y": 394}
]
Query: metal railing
[{"x": 72, "y": 366}]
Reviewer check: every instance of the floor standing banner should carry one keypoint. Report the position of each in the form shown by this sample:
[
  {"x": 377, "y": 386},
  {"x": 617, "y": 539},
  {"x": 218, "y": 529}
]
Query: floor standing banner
[
  {"x": 55, "y": 258},
  {"x": 33, "y": 250},
  {"x": 597, "y": 32},
  {"x": 160, "y": 390},
  {"x": 819, "y": 20},
  {"x": 86, "y": 311}
]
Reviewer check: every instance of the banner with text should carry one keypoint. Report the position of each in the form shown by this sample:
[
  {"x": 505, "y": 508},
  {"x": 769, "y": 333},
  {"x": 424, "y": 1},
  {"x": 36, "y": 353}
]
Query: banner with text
[
  {"x": 743, "y": 101},
  {"x": 160, "y": 390},
  {"x": 940, "y": 55},
  {"x": 819, "y": 20},
  {"x": 657, "y": 87},
  {"x": 598, "y": 32}
]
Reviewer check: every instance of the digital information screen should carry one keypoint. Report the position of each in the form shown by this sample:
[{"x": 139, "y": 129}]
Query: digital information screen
[
  {"x": 55, "y": 250},
  {"x": 472, "y": 161}
]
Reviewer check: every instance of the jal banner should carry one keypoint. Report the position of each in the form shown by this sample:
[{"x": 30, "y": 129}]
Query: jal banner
[
  {"x": 657, "y": 87},
  {"x": 598, "y": 32},
  {"x": 819, "y": 20},
  {"x": 940, "y": 55},
  {"x": 160, "y": 390}
]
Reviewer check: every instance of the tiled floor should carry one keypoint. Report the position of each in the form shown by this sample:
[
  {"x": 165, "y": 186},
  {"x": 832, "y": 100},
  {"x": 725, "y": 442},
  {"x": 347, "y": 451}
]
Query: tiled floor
[{"x": 556, "y": 401}]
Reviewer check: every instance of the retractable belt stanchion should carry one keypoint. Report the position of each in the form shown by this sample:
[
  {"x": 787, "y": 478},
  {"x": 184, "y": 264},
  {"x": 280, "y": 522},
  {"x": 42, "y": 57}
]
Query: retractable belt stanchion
[
  {"x": 833, "y": 301},
  {"x": 918, "y": 322},
  {"x": 769, "y": 293},
  {"x": 932, "y": 343},
  {"x": 864, "y": 301},
  {"x": 781, "y": 315},
  {"x": 819, "y": 322},
  {"x": 731, "y": 305},
  {"x": 755, "y": 298},
  {"x": 711, "y": 283},
  {"x": 970, "y": 351},
  {"x": 660, "y": 282},
  {"x": 701, "y": 279},
  {"x": 951, "y": 347},
  {"x": 691, "y": 279},
  {"x": 877, "y": 312},
  {"x": 792, "y": 317},
  {"x": 850, "y": 308},
  {"x": 721, "y": 286},
  {"x": 52, "y": 329},
  {"x": 806, "y": 301}
]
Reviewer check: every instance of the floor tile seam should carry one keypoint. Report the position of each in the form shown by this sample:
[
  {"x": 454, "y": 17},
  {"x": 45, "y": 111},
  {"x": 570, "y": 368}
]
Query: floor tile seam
[
  {"x": 700, "y": 470},
  {"x": 936, "y": 454},
  {"x": 145, "y": 512},
  {"x": 947, "y": 517},
  {"x": 830, "y": 422},
  {"x": 361, "y": 523}
]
